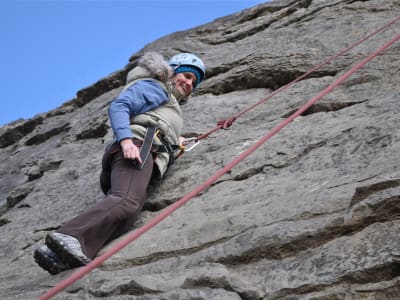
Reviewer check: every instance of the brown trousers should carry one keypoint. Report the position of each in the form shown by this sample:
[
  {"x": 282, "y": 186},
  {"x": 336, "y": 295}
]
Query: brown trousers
[{"x": 117, "y": 212}]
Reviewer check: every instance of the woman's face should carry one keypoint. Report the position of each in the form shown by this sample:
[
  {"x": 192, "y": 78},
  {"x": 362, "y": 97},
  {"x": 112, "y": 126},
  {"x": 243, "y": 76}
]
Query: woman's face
[{"x": 184, "y": 82}]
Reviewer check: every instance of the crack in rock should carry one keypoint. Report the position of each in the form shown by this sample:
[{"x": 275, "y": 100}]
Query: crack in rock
[
  {"x": 4, "y": 221},
  {"x": 363, "y": 192},
  {"x": 131, "y": 287},
  {"x": 221, "y": 281},
  {"x": 236, "y": 30},
  {"x": 307, "y": 16},
  {"x": 324, "y": 107},
  {"x": 86, "y": 95},
  {"x": 18, "y": 195},
  {"x": 384, "y": 272},
  {"x": 95, "y": 131},
  {"x": 42, "y": 137},
  {"x": 14, "y": 134}
]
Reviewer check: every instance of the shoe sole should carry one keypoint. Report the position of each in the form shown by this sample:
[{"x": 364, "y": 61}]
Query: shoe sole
[
  {"x": 47, "y": 263},
  {"x": 64, "y": 252}
]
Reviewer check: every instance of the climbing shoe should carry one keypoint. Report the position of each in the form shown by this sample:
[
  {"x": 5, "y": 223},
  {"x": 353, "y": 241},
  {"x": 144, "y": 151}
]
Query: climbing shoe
[
  {"x": 49, "y": 261},
  {"x": 67, "y": 248}
]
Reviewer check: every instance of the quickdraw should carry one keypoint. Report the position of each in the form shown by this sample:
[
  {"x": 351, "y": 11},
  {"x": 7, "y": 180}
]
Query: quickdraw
[
  {"x": 187, "y": 145},
  {"x": 184, "y": 146}
]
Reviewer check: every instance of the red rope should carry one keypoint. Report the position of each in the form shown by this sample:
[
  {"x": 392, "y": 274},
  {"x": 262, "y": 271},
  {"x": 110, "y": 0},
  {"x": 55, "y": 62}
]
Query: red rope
[
  {"x": 225, "y": 124},
  {"x": 170, "y": 209}
]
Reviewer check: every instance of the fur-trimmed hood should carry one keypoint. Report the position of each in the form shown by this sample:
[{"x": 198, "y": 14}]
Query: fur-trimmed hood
[{"x": 151, "y": 64}]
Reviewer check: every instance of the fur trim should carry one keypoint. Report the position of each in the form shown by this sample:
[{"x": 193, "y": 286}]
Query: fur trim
[{"x": 156, "y": 65}]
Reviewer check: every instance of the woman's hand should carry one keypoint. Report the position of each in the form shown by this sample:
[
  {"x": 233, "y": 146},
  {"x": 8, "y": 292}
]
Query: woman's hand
[{"x": 129, "y": 150}]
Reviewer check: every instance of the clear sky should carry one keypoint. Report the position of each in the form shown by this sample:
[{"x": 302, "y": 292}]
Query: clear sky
[{"x": 50, "y": 49}]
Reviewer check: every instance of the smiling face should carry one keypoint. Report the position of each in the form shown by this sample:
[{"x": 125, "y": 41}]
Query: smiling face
[{"x": 184, "y": 82}]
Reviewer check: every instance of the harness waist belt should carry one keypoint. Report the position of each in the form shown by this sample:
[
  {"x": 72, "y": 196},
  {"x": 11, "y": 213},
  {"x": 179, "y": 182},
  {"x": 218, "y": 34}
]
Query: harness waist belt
[
  {"x": 147, "y": 146},
  {"x": 158, "y": 148}
]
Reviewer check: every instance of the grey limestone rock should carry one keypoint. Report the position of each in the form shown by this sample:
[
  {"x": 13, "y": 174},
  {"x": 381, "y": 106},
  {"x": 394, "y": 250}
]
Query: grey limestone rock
[{"x": 312, "y": 214}]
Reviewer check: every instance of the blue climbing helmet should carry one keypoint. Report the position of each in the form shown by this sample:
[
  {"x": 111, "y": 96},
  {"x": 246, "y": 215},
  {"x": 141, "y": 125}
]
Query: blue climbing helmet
[{"x": 188, "y": 62}]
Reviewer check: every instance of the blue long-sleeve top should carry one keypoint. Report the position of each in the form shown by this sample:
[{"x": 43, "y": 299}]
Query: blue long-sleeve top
[{"x": 140, "y": 97}]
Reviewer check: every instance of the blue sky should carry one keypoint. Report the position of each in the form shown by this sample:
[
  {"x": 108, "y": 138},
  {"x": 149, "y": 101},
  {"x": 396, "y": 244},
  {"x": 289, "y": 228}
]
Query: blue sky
[{"x": 50, "y": 49}]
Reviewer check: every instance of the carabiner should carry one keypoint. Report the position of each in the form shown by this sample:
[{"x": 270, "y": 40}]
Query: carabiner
[{"x": 184, "y": 146}]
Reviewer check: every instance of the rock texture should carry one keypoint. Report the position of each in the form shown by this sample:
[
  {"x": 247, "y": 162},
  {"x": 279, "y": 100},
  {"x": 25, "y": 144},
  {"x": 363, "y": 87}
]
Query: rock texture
[{"x": 313, "y": 214}]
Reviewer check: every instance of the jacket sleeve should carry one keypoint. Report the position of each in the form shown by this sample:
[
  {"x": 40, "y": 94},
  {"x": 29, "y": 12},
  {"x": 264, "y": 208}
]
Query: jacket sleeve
[{"x": 140, "y": 97}]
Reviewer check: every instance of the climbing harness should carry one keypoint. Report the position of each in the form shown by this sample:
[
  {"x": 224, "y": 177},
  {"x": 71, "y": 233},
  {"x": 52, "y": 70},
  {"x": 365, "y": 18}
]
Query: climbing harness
[
  {"x": 130, "y": 237},
  {"x": 148, "y": 146}
]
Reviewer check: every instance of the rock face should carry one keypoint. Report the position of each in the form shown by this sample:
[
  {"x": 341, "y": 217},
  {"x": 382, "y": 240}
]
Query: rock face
[{"x": 312, "y": 214}]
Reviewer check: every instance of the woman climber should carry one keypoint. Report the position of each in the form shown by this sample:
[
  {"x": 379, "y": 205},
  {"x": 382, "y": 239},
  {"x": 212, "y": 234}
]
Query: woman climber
[{"x": 146, "y": 120}]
